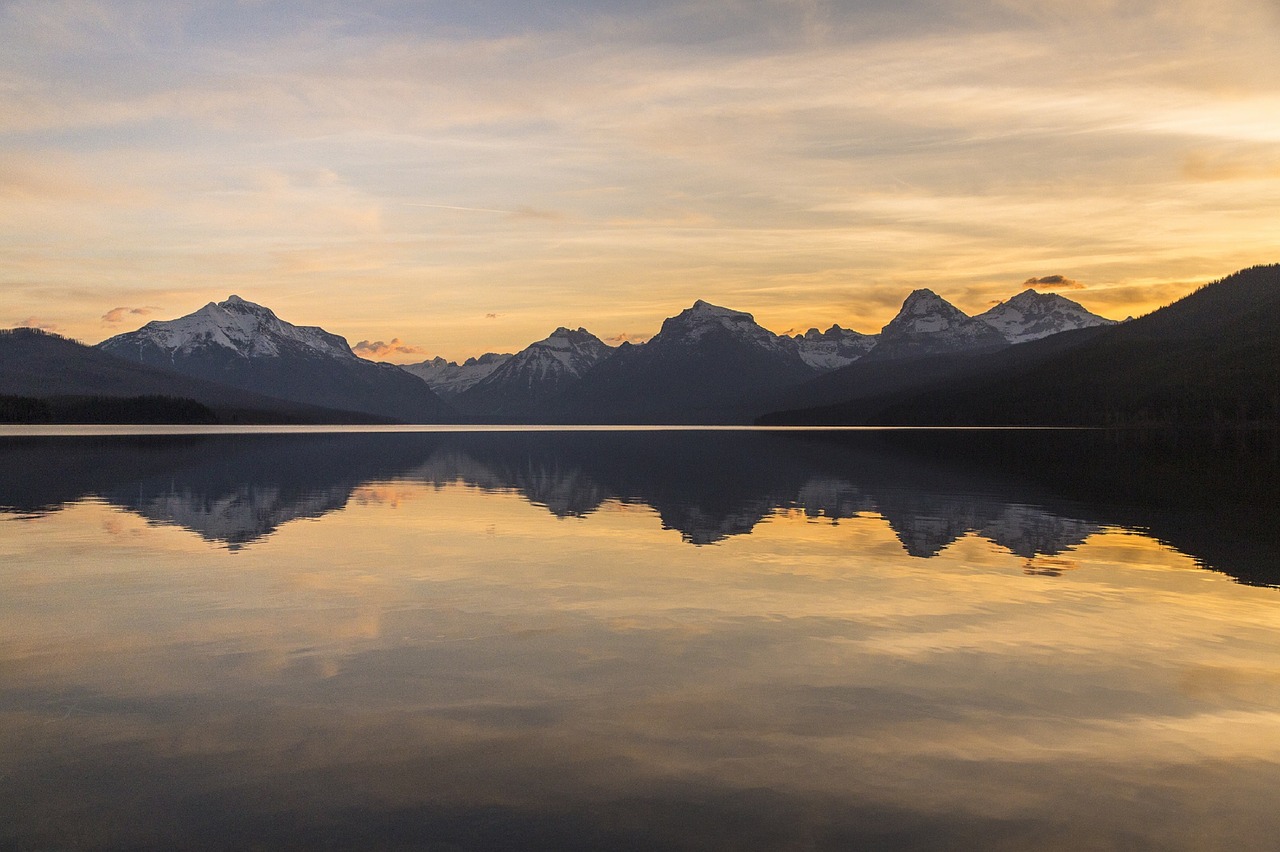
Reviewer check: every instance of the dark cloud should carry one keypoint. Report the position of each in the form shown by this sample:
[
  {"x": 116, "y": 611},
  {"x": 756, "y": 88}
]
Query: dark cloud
[
  {"x": 116, "y": 315},
  {"x": 490, "y": 316},
  {"x": 381, "y": 349},
  {"x": 1053, "y": 282}
]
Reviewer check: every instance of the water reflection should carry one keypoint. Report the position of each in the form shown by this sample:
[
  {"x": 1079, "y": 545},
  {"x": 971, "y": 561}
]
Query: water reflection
[
  {"x": 496, "y": 644},
  {"x": 1035, "y": 494}
]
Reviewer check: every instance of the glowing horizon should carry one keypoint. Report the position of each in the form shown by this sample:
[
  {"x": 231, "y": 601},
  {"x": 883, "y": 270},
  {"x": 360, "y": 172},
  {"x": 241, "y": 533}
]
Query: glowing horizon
[{"x": 464, "y": 180}]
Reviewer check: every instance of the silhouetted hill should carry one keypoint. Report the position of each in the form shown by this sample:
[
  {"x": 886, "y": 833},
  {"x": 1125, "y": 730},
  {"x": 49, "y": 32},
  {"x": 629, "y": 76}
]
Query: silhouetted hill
[
  {"x": 862, "y": 392},
  {"x": 1212, "y": 358},
  {"x": 60, "y": 378},
  {"x": 104, "y": 409}
]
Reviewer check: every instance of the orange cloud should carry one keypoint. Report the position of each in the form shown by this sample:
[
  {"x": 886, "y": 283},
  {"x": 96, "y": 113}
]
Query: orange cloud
[
  {"x": 1054, "y": 282},
  {"x": 1209, "y": 166},
  {"x": 627, "y": 337},
  {"x": 116, "y": 315},
  {"x": 379, "y": 349},
  {"x": 36, "y": 322}
]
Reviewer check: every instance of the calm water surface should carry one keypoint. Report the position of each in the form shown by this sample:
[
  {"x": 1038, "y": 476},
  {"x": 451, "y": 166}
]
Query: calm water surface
[{"x": 571, "y": 640}]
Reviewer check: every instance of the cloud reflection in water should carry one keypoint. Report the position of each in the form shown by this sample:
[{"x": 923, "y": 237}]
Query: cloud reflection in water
[{"x": 444, "y": 660}]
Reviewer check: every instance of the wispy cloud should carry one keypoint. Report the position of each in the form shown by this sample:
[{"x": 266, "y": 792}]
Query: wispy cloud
[
  {"x": 118, "y": 315},
  {"x": 808, "y": 161}
]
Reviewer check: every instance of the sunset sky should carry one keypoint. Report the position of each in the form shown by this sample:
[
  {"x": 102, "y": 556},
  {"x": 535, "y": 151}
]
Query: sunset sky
[{"x": 463, "y": 177}]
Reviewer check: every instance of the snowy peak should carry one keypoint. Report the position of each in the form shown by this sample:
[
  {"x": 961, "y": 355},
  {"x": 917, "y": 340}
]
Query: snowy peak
[
  {"x": 449, "y": 377},
  {"x": 703, "y": 320},
  {"x": 236, "y": 326},
  {"x": 1031, "y": 316},
  {"x": 565, "y": 339},
  {"x": 545, "y": 365},
  {"x": 925, "y": 312},
  {"x": 928, "y": 324},
  {"x": 245, "y": 345},
  {"x": 836, "y": 347}
]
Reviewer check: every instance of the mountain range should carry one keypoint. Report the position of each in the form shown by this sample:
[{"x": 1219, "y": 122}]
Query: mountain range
[
  {"x": 711, "y": 364},
  {"x": 1209, "y": 359},
  {"x": 1035, "y": 358}
]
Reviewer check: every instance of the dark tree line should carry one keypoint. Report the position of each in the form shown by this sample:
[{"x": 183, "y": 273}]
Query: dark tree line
[{"x": 104, "y": 409}]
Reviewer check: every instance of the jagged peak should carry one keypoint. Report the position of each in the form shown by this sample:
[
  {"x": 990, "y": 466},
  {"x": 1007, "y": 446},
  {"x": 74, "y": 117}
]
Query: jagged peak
[
  {"x": 835, "y": 331},
  {"x": 1032, "y": 297},
  {"x": 236, "y": 304},
  {"x": 923, "y": 302},
  {"x": 567, "y": 338},
  {"x": 702, "y": 308},
  {"x": 923, "y": 294}
]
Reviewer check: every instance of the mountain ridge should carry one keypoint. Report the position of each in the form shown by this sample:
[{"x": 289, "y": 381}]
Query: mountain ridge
[
  {"x": 1211, "y": 358},
  {"x": 41, "y": 365},
  {"x": 1034, "y": 358},
  {"x": 245, "y": 345}
]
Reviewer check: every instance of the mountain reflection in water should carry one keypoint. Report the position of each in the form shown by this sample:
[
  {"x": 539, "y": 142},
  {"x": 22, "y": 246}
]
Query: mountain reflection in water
[
  {"x": 1037, "y": 494},
  {"x": 638, "y": 641}
]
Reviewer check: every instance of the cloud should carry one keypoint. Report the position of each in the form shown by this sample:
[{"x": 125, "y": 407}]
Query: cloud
[
  {"x": 490, "y": 316},
  {"x": 1054, "y": 282},
  {"x": 379, "y": 349},
  {"x": 36, "y": 322},
  {"x": 117, "y": 315},
  {"x": 627, "y": 337},
  {"x": 788, "y": 146},
  {"x": 1214, "y": 166}
]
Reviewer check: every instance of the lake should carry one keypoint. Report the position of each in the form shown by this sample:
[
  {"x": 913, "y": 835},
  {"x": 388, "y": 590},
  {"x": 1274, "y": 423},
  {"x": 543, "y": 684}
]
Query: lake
[{"x": 637, "y": 640}]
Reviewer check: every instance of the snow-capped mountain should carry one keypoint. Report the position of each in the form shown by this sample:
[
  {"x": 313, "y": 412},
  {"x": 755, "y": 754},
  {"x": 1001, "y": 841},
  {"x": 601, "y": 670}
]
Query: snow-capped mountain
[
  {"x": 536, "y": 373},
  {"x": 705, "y": 321},
  {"x": 928, "y": 324},
  {"x": 704, "y": 362},
  {"x": 246, "y": 345},
  {"x": 836, "y": 347},
  {"x": 237, "y": 326},
  {"x": 1031, "y": 316},
  {"x": 449, "y": 378}
]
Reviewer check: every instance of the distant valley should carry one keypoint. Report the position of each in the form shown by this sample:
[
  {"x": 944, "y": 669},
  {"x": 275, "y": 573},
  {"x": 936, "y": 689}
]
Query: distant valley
[{"x": 1037, "y": 358}]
